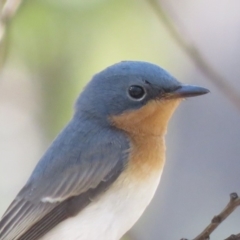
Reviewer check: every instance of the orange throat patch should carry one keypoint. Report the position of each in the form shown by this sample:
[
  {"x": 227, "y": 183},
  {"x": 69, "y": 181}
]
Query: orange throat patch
[{"x": 146, "y": 128}]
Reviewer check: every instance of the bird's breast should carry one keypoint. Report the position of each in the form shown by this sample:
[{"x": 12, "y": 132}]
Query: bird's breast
[{"x": 116, "y": 210}]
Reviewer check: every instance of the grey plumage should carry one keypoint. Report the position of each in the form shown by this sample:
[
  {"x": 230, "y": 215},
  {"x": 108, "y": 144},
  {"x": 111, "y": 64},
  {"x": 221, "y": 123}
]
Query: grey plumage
[
  {"x": 113, "y": 83},
  {"x": 95, "y": 157}
]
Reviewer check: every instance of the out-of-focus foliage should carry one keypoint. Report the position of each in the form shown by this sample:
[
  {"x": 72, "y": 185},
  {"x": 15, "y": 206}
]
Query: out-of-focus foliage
[{"x": 64, "y": 42}]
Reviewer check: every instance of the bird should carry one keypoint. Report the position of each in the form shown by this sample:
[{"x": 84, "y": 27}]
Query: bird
[{"x": 102, "y": 170}]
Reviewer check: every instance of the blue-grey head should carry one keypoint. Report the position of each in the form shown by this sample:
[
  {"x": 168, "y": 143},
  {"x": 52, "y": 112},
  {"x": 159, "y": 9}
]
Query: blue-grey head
[{"x": 130, "y": 90}]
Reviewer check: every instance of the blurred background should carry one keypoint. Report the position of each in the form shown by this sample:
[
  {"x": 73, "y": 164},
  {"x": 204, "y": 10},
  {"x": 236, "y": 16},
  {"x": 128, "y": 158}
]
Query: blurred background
[{"x": 53, "y": 47}]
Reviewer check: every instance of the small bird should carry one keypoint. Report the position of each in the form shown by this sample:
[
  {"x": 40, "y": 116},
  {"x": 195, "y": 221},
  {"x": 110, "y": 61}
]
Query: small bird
[{"x": 101, "y": 172}]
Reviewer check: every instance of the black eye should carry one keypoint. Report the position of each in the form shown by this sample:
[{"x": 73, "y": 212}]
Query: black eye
[{"x": 136, "y": 92}]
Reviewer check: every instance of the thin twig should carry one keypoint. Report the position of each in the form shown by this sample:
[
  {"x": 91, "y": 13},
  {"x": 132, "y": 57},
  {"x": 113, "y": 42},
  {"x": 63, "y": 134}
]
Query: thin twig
[
  {"x": 8, "y": 9},
  {"x": 192, "y": 51},
  {"x": 7, "y": 12},
  {"x": 217, "y": 220},
  {"x": 234, "y": 237}
]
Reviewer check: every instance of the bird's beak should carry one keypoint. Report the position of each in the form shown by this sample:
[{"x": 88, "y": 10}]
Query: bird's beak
[{"x": 185, "y": 91}]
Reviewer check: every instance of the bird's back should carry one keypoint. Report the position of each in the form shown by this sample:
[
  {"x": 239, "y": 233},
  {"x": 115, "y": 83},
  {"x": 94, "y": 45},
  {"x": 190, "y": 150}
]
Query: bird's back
[{"x": 95, "y": 157}]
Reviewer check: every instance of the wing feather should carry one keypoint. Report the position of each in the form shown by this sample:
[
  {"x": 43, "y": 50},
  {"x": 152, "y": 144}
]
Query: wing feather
[{"x": 45, "y": 200}]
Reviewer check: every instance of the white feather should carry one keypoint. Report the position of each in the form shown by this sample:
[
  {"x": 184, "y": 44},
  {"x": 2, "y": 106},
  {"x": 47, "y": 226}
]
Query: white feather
[{"x": 112, "y": 215}]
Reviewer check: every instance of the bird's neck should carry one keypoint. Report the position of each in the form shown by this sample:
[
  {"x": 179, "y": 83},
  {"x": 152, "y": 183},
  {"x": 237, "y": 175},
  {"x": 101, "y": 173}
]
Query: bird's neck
[{"x": 150, "y": 120}]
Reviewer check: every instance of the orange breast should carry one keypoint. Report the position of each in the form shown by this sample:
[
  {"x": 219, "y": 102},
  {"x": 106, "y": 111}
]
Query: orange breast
[
  {"x": 147, "y": 156},
  {"x": 146, "y": 128}
]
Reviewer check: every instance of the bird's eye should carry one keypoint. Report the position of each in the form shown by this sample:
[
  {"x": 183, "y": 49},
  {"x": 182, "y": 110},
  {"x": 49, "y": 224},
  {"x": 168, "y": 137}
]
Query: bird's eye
[{"x": 136, "y": 92}]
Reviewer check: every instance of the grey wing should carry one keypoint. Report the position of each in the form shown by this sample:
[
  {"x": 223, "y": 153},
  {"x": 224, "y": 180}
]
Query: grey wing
[{"x": 47, "y": 200}]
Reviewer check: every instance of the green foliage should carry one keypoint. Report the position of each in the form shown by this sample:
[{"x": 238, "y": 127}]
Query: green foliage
[{"x": 64, "y": 44}]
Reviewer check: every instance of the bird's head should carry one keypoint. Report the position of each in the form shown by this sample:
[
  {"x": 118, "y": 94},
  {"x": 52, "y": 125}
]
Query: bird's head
[{"x": 137, "y": 97}]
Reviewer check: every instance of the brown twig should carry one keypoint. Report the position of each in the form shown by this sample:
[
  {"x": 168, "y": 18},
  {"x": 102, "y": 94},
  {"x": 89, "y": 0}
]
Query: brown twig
[
  {"x": 8, "y": 10},
  {"x": 217, "y": 220},
  {"x": 195, "y": 55},
  {"x": 234, "y": 237}
]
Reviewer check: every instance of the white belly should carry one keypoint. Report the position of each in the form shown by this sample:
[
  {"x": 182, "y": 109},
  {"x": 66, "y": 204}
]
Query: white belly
[{"x": 112, "y": 215}]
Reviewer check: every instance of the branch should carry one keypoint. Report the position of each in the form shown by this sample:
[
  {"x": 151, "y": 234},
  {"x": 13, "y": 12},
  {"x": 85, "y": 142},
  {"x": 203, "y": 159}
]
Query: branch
[
  {"x": 234, "y": 237},
  {"x": 7, "y": 10},
  {"x": 217, "y": 220},
  {"x": 195, "y": 55}
]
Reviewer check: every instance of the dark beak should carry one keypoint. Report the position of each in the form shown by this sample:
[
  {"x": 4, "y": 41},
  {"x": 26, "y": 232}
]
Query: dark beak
[{"x": 185, "y": 91}]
